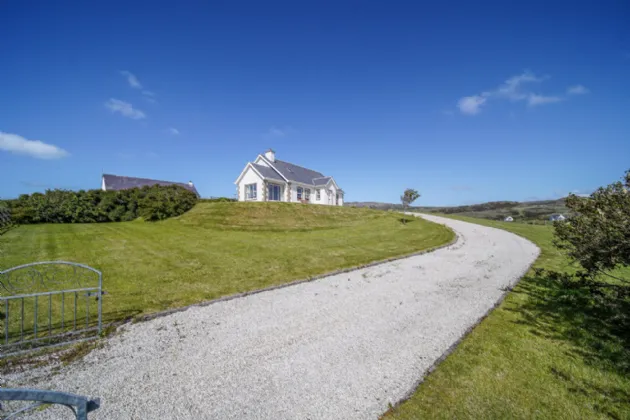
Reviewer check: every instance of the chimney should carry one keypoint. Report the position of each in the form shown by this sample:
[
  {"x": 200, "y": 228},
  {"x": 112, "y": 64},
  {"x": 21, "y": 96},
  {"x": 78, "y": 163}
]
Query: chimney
[
  {"x": 270, "y": 155},
  {"x": 190, "y": 184}
]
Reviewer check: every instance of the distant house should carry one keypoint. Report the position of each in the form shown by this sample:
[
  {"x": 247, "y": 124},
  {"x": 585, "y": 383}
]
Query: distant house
[
  {"x": 270, "y": 179},
  {"x": 557, "y": 217},
  {"x": 508, "y": 219},
  {"x": 116, "y": 182}
]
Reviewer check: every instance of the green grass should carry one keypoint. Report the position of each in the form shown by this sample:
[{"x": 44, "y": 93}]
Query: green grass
[
  {"x": 548, "y": 351},
  {"x": 217, "y": 249}
]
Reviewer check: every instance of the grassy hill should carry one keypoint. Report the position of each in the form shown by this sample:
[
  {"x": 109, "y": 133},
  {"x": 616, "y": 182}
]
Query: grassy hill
[
  {"x": 217, "y": 249},
  {"x": 493, "y": 210}
]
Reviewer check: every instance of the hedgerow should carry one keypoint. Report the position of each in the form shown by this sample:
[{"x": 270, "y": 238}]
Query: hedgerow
[{"x": 97, "y": 206}]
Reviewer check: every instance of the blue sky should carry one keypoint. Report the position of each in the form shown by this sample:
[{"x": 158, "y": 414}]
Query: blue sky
[{"x": 464, "y": 102}]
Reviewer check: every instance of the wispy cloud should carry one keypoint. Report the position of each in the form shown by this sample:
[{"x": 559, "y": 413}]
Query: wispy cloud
[
  {"x": 131, "y": 79},
  {"x": 125, "y": 109},
  {"x": 534, "y": 100},
  {"x": 19, "y": 145},
  {"x": 515, "y": 89},
  {"x": 471, "y": 105},
  {"x": 577, "y": 90},
  {"x": 149, "y": 96},
  {"x": 279, "y": 132},
  {"x": 174, "y": 131}
]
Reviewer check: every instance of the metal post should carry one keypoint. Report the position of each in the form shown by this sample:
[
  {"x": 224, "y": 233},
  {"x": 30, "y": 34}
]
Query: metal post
[
  {"x": 75, "y": 310},
  {"x": 100, "y": 302},
  {"x": 63, "y": 315},
  {"x": 22, "y": 322},
  {"x": 35, "y": 322},
  {"x": 49, "y": 315},
  {"x": 6, "y": 322}
]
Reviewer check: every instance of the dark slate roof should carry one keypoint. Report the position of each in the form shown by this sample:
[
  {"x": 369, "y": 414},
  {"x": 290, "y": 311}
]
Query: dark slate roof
[
  {"x": 296, "y": 173},
  {"x": 321, "y": 181},
  {"x": 115, "y": 182},
  {"x": 267, "y": 172}
]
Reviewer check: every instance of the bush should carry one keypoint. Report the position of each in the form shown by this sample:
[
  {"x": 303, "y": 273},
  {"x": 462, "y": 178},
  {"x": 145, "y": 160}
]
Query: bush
[
  {"x": 597, "y": 236},
  {"x": 97, "y": 206}
]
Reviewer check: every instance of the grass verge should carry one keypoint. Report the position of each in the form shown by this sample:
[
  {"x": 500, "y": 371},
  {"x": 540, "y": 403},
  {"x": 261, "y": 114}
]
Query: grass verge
[{"x": 547, "y": 351}]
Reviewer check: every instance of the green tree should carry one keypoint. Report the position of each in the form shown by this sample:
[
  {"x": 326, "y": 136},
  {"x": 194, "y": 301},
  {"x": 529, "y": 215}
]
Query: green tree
[
  {"x": 597, "y": 234},
  {"x": 408, "y": 197}
]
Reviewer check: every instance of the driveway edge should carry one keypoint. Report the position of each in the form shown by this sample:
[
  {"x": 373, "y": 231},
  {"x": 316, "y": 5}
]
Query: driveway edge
[
  {"x": 167, "y": 312},
  {"x": 468, "y": 330}
]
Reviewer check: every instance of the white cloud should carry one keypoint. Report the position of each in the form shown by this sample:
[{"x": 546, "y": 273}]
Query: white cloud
[
  {"x": 511, "y": 88},
  {"x": 515, "y": 89},
  {"x": 470, "y": 105},
  {"x": 149, "y": 96},
  {"x": 577, "y": 90},
  {"x": 533, "y": 99},
  {"x": 19, "y": 145},
  {"x": 131, "y": 79},
  {"x": 174, "y": 131},
  {"x": 279, "y": 132},
  {"x": 125, "y": 109}
]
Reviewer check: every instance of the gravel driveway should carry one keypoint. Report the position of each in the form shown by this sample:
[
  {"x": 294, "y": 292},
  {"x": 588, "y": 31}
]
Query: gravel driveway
[{"x": 342, "y": 347}]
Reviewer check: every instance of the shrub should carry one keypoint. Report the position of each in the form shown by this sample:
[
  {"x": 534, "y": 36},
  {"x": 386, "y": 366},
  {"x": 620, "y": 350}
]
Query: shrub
[
  {"x": 97, "y": 206},
  {"x": 597, "y": 236}
]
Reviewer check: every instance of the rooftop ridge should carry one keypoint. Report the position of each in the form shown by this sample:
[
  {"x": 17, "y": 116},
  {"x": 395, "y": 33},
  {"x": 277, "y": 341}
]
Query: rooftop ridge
[
  {"x": 303, "y": 167},
  {"x": 146, "y": 179}
]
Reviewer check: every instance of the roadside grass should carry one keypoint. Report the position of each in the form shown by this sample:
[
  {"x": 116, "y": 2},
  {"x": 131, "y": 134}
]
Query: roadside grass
[
  {"x": 548, "y": 351},
  {"x": 216, "y": 249}
]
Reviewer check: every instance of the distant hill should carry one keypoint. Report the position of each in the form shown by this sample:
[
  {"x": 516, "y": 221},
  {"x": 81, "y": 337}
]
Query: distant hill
[{"x": 494, "y": 210}]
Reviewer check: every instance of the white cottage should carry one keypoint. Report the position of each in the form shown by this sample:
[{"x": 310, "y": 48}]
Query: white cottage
[{"x": 269, "y": 179}]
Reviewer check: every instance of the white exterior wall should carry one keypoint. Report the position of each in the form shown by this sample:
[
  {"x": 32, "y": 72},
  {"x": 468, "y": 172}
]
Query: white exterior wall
[
  {"x": 262, "y": 162},
  {"x": 331, "y": 192},
  {"x": 251, "y": 177},
  {"x": 326, "y": 199}
]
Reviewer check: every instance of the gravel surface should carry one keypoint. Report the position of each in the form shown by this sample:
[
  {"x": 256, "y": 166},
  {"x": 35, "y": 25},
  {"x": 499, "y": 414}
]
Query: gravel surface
[{"x": 342, "y": 347}]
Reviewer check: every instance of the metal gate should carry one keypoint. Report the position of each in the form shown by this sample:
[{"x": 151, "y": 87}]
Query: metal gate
[{"x": 49, "y": 303}]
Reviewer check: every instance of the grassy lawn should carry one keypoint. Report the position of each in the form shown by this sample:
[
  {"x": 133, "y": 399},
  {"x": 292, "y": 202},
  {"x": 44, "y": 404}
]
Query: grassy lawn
[
  {"x": 217, "y": 249},
  {"x": 546, "y": 352}
]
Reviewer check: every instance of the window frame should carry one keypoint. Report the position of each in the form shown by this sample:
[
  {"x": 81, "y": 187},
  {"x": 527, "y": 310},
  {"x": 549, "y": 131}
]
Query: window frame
[
  {"x": 269, "y": 187},
  {"x": 249, "y": 189},
  {"x": 318, "y": 194},
  {"x": 307, "y": 194},
  {"x": 300, "y": 193}
]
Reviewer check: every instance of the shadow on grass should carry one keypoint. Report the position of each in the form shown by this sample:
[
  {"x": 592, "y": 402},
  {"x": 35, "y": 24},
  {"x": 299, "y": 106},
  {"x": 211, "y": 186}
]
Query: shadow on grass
[
  {"x": 405, "y": 220},
  {"x": 593, "y": 317}
]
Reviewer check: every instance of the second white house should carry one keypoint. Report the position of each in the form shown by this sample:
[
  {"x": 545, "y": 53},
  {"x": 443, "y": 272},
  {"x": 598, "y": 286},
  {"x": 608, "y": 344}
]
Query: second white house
[{"x": 269, "y": 179}]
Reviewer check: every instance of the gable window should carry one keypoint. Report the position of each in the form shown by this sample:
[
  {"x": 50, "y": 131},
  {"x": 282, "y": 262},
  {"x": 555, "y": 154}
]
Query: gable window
[
  {"x": 300, "y": 193},
  {"x": 250, "y": 192},
  {"x": 307, "y": 194},
  {"x": 273, "y": 192},
  {"x": 318, "y": 195}
]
